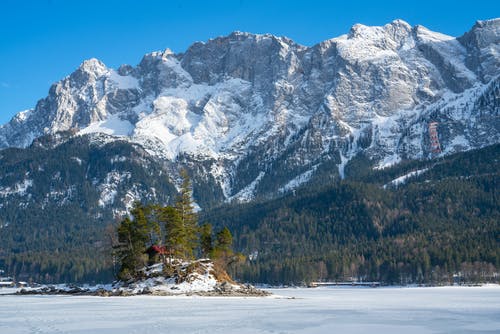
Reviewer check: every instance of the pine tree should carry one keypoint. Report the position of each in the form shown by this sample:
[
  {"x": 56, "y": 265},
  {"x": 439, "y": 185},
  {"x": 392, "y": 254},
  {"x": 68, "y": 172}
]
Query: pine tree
[
  {"x": 180, "y": 222},
  {"x": 155, "y": 233},
  {"x": 222, "y": 251},
  {"x": 189, "y": 220},
  {"x": 132, "y": 237},
  {"x": 206, "y": 242},
  {"x": 175, "y": 238},
  {"x": 224, "y": 240},
  {"x": 147, "y": 224}
]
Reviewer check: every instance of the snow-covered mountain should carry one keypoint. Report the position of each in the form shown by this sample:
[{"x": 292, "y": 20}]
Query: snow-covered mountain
[{"x": 256, "y": 115}]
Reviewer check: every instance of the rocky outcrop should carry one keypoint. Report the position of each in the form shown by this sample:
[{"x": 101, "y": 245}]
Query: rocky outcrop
[{"x": 172, "y": 278}]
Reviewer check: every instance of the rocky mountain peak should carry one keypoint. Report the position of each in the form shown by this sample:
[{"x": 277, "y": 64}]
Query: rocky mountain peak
[
  {"x": 484, "y": 34},
  {"x": 482, "y": 43},
  {"x": 238, "y": 55},
  {"x": 260, "y": 114},
  {"x": 93, "y": 66},
  {"x": 492, "y": 24},
  {"x": 401, "y": 24},
  {"x": 396, "y": 30}
]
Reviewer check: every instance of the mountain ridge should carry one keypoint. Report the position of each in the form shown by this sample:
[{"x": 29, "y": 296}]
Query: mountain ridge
[{"x": 250, "y": 114}]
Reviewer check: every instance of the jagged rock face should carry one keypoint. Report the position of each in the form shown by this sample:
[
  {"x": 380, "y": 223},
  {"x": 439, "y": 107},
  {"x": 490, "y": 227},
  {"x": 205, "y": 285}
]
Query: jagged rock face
[
  {"x": 483, "y": 46},
  {"x": 258, "y": 114}
]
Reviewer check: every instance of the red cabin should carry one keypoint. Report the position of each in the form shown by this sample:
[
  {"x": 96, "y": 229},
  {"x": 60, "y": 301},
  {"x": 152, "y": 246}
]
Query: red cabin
[
  {"x": 156, "y": 253},
  {"x": 162, "y": 250}
]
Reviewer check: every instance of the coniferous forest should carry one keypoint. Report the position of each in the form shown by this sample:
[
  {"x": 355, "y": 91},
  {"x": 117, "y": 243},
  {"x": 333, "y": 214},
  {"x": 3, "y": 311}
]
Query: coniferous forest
[{"x": 441, "y": 226}]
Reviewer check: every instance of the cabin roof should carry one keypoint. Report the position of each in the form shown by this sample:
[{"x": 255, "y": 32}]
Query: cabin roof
[{"x": 157, "y": 249}]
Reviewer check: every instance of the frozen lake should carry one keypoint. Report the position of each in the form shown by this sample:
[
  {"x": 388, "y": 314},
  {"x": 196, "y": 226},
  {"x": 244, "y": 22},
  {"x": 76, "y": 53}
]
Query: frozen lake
[{"x": 320, "y": 310}]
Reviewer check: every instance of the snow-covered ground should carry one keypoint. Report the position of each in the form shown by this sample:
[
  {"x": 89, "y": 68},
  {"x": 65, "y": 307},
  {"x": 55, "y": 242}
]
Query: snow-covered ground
[
  {"x": 402, "y": 179},
  {"x": 320, "y": 310}
]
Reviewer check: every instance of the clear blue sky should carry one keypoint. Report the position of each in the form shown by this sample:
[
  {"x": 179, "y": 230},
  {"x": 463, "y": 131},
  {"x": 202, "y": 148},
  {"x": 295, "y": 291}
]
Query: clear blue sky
[{"x": 42, "y": 41}]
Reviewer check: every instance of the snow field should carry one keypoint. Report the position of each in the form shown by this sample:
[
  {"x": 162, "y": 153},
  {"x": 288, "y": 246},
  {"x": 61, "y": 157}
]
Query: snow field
[{"x": 320, "y": 310}]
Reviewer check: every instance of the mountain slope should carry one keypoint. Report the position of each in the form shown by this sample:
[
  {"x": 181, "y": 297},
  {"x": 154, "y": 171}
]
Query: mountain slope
[
  {"x": 256, "y": 115},
  {"x": 53, "y": 225},
  {"x": 58, "y": 196},
  {"x": 413, "y": 223}
]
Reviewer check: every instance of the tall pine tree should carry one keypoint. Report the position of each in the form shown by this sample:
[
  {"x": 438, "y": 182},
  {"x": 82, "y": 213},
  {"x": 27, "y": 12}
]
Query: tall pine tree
[
  {"x": 133, "y": 234},
  {"x": 175, "y": 237},
  {"x": 185, "y": 208},
  {"x": 181, "y": 222}
]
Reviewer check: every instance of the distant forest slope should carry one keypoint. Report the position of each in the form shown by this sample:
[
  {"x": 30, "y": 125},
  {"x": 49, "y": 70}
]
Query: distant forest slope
[
  {"x": 444, "y": 221},
  {"x": 58, "y": 199}
]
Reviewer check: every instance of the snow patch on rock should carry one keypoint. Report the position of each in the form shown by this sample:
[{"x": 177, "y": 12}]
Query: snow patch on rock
[
  {"x": 109, "y": 188},
  {"x": 191, "y": 276},
  {"x": 123, "y": 81},
  {"x": 403, "y": 179},
  {"x": 298, "y": 181},
  {"x": 19, "y": 189},
  {"x": 248, "y": 193},
  {"x": 113, "y": 125}
]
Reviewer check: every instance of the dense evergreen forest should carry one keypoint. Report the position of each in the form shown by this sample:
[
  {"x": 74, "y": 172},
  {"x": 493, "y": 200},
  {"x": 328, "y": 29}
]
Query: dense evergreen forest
[
  {"x": 440, "y": 226},
  {"x": 59, "y": 232}
]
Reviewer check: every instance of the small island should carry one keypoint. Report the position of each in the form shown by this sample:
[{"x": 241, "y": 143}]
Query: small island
[{"x": 161, "y": 250}]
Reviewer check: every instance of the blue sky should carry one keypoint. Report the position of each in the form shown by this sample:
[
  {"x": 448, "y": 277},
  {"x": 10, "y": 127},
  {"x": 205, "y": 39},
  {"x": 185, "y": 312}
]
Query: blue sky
[{"x": 42, "y": 41}]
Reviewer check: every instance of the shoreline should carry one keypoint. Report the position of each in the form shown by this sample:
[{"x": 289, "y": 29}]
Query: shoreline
[{"x": 220, "y": 291}]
